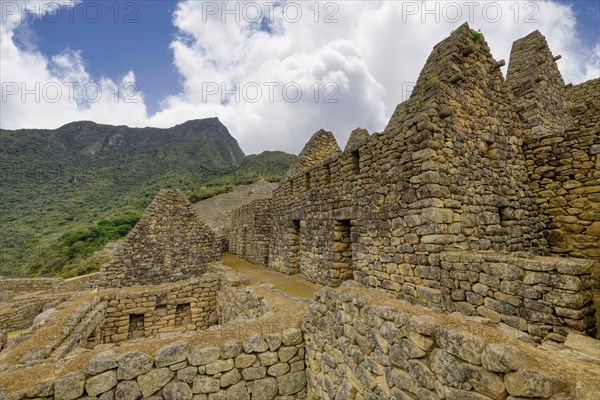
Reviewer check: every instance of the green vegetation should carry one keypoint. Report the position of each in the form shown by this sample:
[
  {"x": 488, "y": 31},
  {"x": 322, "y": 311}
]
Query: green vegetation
[
  {"x": 477, "y": 35},
  {"x": 64, "y": 192},
  {"x": 435, "y": 80},
  {"x": 418, "y": 103},
  {"x": 75, "y": 246},
  {"x": 269, "y": 165}
]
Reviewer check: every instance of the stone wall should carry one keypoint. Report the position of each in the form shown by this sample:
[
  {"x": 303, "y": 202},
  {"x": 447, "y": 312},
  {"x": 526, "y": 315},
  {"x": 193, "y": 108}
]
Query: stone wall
[
  {"x": 235, "y": 304},
  {"x": 447, "y": 172},
  {"x": 565, "y": 174},
  {"x": 360, "y": 345},
  {"x": 542, "y": 296},
  {"x": 561, "y": 127},
  {"x": 539, "y": 92},
  {"x": 169, "y": 243},
  {"x": 20, "y": 313},
  {"x": 79, "y": 283},
  {"x": 461, "y": 166},
  {"x": 10, "y": 288},
  {"x": 156, "y": 310},
  {"x": 261, "y": 367},
  {"x": 250, "y": 233}
]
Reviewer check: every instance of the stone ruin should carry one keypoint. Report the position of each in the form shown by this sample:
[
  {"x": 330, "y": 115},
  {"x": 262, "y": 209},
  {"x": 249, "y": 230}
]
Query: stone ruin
[
  {"x": 463, "y": 203},
  {"x": 169, "y": 243},
  {"x": 458, "y": 247}
]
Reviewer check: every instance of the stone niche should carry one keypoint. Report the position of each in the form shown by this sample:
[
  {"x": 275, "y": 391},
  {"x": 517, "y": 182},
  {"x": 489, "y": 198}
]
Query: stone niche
[{"x": 159, "y": 309}]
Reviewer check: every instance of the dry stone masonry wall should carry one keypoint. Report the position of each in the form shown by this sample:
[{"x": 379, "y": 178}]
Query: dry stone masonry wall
[
  {"x": 259, "y": 368},
  {"x": 250, "y": 235},
  {"x": 361, "y": 346},
  {"x": 10, "y": 288},
  {"x": 565, "y": 173},
  {"x": 461, "y": 166},
  {"x": 542, "y": 296},
  {"x": 169, "y": 243},
  {"x": 153, "y": 311}
]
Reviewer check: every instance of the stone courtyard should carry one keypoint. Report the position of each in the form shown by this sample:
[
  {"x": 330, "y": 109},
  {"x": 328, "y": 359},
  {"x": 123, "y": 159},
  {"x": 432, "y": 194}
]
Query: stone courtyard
[{"x": 455, "y": 255}]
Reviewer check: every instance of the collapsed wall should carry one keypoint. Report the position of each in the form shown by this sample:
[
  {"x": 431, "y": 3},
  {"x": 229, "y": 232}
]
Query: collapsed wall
[{"x": 169, "y": 243}]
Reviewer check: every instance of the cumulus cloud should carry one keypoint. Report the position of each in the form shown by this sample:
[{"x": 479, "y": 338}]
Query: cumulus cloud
[{"x": 352, "y": 62}]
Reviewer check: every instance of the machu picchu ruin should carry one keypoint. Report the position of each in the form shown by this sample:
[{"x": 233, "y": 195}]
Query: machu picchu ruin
[{"x": 454, "y": 255}]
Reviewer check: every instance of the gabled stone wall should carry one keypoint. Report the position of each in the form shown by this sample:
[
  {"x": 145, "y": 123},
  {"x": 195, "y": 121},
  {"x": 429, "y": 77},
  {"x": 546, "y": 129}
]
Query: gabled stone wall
[
  {"x": 447, "y": 172},
  {"x": 471, "y": 162},
  {"x": 169, "y": 243}
]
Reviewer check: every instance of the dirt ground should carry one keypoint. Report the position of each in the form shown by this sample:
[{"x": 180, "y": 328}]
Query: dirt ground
[{"x": 293, "y": 285}]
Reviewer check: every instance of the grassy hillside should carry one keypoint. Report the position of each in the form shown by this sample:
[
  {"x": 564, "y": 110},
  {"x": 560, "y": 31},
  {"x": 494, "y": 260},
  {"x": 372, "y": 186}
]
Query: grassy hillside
[
  {"x": 269, "y": 165},
  {"x": 65, "y": 193}
]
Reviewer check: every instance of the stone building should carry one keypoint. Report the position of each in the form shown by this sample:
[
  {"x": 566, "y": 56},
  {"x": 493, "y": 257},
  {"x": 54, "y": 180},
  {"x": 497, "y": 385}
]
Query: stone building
[
  {"x": 169, "y": 243},
  {"x": 463, "y": 203},
  {"x": 458, "y": 202}
]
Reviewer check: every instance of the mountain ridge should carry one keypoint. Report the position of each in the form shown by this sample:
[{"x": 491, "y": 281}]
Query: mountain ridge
[{"x": 56, "y": 185}]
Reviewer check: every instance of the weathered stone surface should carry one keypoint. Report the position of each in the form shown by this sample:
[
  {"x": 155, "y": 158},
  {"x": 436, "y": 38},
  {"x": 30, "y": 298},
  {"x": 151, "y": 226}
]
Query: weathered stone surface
[
  {"x": 128, "y": 390},
  {"x": 177, "y": 391},
  {"x": 253, "y": 373},
  {"x": 43, "y": 389},
  {"x": 219, "y": 366},
  {"x": 245, "y": 360},
  {"x": 264, "y": 389},
  {"x": 204, "y": 355},
  {"x": 99, "y": 384},
  {"x": 154, "y": 380},
  {"x": 134, "y": 364},
  {"x": 291, "y": 337},
  {"x": 69, "y": 387},
  {"x": 171, "y": 354},
  {"x": 187, "y": 374},
  {"x": 238, "y": 391},
  {"x": 101, "y": 362},
  {"x": 230, "y": 378},
  {"x": 291, "y": 383},
  {"x": 255, "y": 344},
  {"x": 205, "y": 384},
  {"x": 529, "y": 384},
  {"x": 501, "y": 358}
]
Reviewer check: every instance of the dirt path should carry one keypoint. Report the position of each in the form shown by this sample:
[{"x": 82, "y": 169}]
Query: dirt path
[{"x": 293, "y": 285}]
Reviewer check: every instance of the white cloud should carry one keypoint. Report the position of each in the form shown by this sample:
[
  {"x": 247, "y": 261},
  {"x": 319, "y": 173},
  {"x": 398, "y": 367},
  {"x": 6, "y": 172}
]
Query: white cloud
[{"x": 372, "y": 53}]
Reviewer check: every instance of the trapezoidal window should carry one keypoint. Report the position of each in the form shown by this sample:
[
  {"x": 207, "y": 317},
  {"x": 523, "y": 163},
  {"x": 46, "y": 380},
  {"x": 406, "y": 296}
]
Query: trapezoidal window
[
  {"x": 342, "y": 249},
  {"x": 327, "y": 177},
  {"x": 355, "y": 162},
  {"x": 307, "y": 180},
  {"x": 294, "y": 259},
  {"x": 183, "y": 314},
  {"x": 136, "y": 326}
]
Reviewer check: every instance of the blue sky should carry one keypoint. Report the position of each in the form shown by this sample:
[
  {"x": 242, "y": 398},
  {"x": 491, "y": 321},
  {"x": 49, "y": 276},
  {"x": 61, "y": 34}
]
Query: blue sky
[
  {"x": 126, "y": 36},
  {"x": 168, "y": 48}
]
